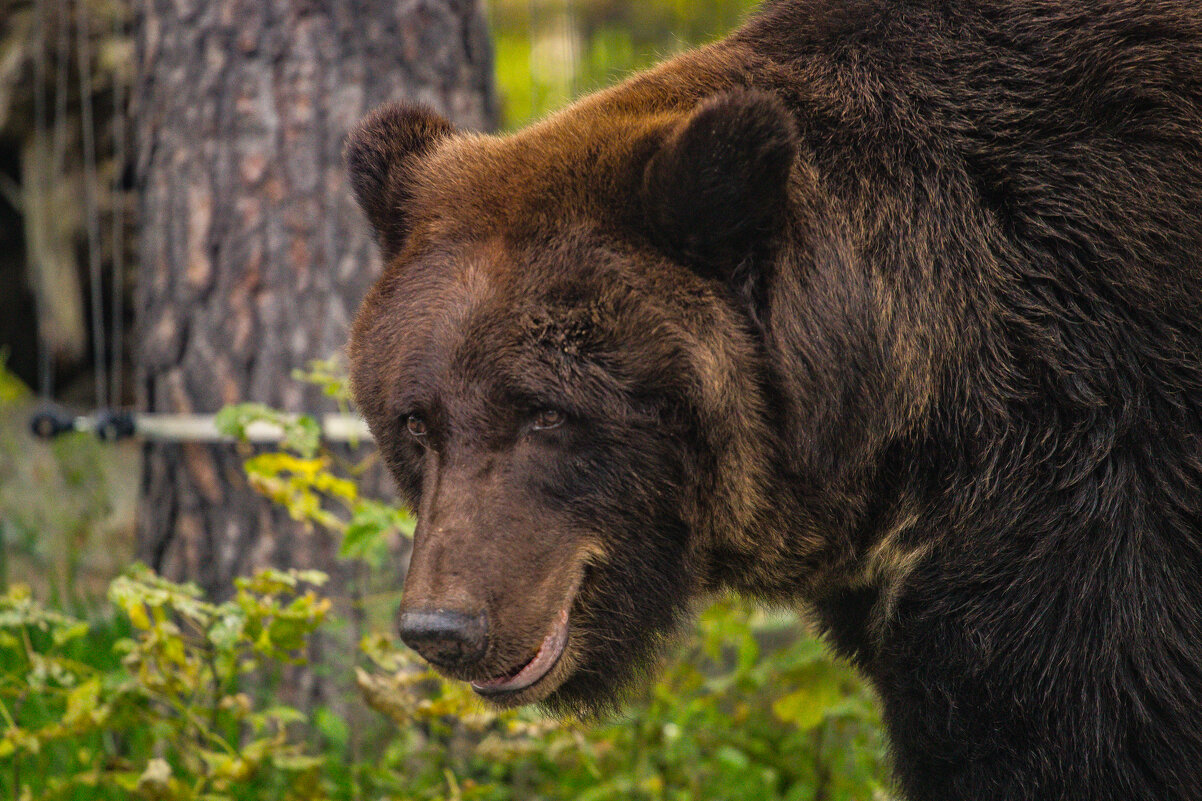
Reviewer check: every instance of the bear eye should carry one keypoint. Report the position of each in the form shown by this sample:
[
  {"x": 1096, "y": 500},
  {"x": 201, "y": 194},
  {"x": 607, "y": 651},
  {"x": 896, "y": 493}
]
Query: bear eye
[
  {"x": 545, "y": 419},
  {"x": 416, "y": 425}
]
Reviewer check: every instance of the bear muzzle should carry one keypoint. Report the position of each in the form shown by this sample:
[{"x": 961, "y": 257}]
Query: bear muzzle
[
  {"x": 544, "y": 660},
  {"x": 446, "y": 638}
]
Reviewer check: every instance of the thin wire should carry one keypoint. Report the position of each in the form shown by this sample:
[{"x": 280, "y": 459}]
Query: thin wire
[
  {"x": 58, "y": 157},
  {"x": 45, "y": 383},
  {"x": 570, "y": 54},
  {"x": 60, "y": 89},
  {"x": 91, "y": 210},
  {"x": 532, "y": 14},
  {"x": 118, "y": 236}
]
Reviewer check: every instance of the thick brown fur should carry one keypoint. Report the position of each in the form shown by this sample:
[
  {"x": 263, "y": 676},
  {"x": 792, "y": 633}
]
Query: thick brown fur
[{"x": 890, "y": 309}]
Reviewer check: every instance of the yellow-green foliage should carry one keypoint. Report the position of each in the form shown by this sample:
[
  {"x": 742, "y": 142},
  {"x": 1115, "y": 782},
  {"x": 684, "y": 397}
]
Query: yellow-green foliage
[
  {"x": 158, "y": 714},
  {"x": 163, "y": 713},
  {"x": 550, "y": 51}
]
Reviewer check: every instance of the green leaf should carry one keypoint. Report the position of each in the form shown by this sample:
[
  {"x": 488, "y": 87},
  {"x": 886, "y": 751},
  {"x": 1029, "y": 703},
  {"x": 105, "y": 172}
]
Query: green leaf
[
  {"x": 315, "y": 577},
  {"x": 283, "y": 714},
  {"x": 82, "y": 701},
  {"x": 327, "y": 374},
  {"x": 137, "y": 615},
  {"x": 73, "y": 632},
  {"x": 370, "y": 525},
  {"x": 299, "y": 433},
  {"x": 732, "y": 757},
  {"x": 331, "y": 726},
  {"x": 227, "y": 630},
  {"x": 232, "y": 420},
  {"x": 808, "y": 706},
  {"x": 296, "y": 762}
]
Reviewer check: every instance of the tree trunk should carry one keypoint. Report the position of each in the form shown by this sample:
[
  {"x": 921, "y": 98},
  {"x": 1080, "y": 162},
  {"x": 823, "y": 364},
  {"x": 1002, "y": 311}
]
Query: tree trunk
[{"x": 253, "y": 256}]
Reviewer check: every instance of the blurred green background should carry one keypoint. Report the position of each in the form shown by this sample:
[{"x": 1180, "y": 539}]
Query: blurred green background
[{"x": 550, "y": 51}]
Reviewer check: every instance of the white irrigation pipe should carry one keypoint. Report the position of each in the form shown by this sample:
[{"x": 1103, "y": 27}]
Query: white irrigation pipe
[{"x": 185, "y": 427}]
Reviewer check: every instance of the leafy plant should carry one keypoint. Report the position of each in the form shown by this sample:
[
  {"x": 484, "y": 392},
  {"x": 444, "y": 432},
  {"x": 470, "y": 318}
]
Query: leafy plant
[
  {"x": 169, "y": 721},
  {"x": 301, "y": 476}
]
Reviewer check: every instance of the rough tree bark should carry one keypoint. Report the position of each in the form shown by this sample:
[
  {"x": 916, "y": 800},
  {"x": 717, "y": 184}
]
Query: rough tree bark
[{"x": 253, "y": 257}]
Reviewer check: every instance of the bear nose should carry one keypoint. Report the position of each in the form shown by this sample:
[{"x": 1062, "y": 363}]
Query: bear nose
[{"x": 445, "y": 637}]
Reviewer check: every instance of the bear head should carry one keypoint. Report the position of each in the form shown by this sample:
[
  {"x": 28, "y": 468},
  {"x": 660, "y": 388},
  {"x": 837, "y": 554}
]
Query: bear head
[{"x": 562, "y": 376}]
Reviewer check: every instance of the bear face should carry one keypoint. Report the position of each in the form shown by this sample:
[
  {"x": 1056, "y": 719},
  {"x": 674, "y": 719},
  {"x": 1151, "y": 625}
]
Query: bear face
[
  {"x": 567, "y": 470},
  {"x": 517, "y": 417}
]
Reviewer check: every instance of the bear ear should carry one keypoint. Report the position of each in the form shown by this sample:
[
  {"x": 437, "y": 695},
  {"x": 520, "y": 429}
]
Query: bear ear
[
  {"x": 378, "y": 153},
  {"x": 718, "y": 184}
]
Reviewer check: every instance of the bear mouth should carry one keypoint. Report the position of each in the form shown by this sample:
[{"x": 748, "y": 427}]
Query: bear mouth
[{"x": 537, "y": 667}]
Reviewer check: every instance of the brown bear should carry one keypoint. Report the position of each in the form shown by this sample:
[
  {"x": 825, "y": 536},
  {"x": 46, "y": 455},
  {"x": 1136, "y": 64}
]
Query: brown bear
[{"x": 891, "y": 310}]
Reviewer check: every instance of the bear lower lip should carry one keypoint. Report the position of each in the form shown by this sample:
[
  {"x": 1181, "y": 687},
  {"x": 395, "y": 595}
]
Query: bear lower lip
[{"x": 540, "y": 665}]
